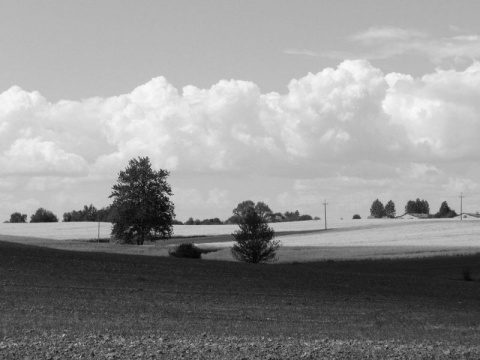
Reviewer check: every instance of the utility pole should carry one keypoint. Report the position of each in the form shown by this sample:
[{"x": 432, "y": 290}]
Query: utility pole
[
  {"x": 325, "y": 206},
  {"x": 461, "y": 206}
]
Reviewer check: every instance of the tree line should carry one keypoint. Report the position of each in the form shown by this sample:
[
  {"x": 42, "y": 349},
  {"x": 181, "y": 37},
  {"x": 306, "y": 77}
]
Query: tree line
[
  {"x": 412, "y": 207},
  {"x": 106, "y": 214},
  {"x": 88, "y": 213}
]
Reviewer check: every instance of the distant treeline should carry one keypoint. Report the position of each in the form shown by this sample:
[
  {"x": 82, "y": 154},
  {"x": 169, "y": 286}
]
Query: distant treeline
[
  {"x": 106, "y": 214},
  {"x": 417, "y": 207},
  {"x": 261, "y": 208},
  {"x": 89, "y": 213}
]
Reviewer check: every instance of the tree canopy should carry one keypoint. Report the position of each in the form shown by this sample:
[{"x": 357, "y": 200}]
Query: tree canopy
[{"x": 141, "y": 202}]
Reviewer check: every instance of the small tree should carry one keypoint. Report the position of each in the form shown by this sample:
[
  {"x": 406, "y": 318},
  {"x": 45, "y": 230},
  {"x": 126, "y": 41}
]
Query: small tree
[
  {"x": 356, "y": 217},
  {"x": 16, "y": 217},
  {"x": 390, "y": 209},
  {"x": 255, "y": 240},
  {"x": 377, "y": 210},
  {"x": 142, "y": 207},
  {"x": 43, "y": 215}
]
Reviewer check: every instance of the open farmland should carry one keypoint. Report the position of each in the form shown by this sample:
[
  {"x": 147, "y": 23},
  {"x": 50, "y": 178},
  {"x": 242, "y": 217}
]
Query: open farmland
[
  {"x": 375, "y": 239},
  {"x": 58, "y": 231},
  {"x": 302, "y": 241},
  {"x": 89, "y": 230},
  {"x": 64, "y": 304}
]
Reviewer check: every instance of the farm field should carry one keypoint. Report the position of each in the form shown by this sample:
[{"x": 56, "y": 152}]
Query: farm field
[
  {"x": 89, "y": 230},
  {"x": 375, "y": 239},
  {"x": 64, "y": 304},
  {"x": 301, "y": 241}
]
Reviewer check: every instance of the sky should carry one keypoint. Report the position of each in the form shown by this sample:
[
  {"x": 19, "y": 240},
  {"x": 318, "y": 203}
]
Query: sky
[{"x": 290, "y": 103}]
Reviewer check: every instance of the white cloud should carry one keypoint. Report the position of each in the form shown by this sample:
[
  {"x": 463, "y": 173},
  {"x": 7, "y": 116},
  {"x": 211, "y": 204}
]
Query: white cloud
[
  {"x": 390, "y": 41},
  {"x": 439, "y": 112},
  {"x": 33, "y": 156},
  {"x": 387, "y": 33},
  {"x": 351, "y": 122},
  {"x": 387, "y": 42}
]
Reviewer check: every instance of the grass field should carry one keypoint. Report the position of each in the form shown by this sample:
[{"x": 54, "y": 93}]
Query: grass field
[
  {"x": 71, "y": 304},
  {"x": 301, "y": 241}
]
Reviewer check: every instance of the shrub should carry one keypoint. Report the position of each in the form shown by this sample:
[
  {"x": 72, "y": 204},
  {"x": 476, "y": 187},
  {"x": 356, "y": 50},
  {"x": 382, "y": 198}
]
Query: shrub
[
  {"x": 186, "y": 250},
  {"x": 356, "y": 217}
]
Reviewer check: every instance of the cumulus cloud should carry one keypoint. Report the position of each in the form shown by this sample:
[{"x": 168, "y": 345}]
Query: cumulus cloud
[
  {"x": 350, "y": 124},
  {"x": 438, "y": 111}
]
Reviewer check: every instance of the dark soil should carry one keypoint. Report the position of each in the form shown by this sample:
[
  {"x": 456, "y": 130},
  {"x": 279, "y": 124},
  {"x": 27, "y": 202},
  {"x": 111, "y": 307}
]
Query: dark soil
[{"x": 57, "y": 304}]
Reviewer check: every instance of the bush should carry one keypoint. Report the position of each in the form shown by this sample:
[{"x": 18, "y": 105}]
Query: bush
[
  {"x": 356, "y": 217},
  {"x": 186, "y": 250}
]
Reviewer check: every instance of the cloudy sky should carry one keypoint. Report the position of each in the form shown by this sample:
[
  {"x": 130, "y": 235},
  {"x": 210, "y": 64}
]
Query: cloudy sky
[{"x": 278, "y": 101}]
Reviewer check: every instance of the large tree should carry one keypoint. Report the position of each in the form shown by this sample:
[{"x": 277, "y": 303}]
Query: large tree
[
  {"x": 390, "y": 209},
  {"x": 141, "y": 203},
  {"x": 255, "y": 240},
  {"x": 410, "y": 207},
  {"x": 377, "y": 210}
]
